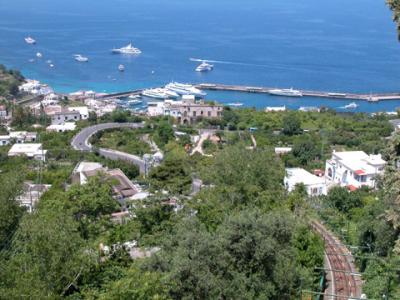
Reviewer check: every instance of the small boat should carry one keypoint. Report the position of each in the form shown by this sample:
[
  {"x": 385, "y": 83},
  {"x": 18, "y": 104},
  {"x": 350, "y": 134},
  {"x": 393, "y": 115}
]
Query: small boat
[
  {"x": 286, "y": 92},
  {"x": 121, "y": 68},
  {"x": 32, "y": 60},
  {"x": 39, "y": 55},
  {"x": 236, "y": 104},
  {"x": 49, "y": 62},
  {"x": 129, "y": 49},
  {"x": 204, "y": 67},
  {"x": 29, "y": 40},
  {"x": 134, "y": 97},
  {"x": 351, "y": 105},
  {"x": 81, "y": 58},
  {"x": 51, "y": 65},
  {"x": 135, "y": 102}
]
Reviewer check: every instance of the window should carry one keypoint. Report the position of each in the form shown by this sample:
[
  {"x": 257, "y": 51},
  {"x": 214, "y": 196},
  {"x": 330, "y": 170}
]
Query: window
[
  {"x": 194, "y": 114},
  {"x": 202, "y": 113},
  {"x": 209, "y": 113}
]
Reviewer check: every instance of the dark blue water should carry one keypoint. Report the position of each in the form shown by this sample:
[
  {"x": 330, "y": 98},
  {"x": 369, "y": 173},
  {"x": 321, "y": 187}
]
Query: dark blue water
[{"x": 337, "y": 45}]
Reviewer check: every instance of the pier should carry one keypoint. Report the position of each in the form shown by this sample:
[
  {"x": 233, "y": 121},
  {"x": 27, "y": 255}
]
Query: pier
[
  {"x": 121, "y": 94},
  {"x": 373, "y": 97}
]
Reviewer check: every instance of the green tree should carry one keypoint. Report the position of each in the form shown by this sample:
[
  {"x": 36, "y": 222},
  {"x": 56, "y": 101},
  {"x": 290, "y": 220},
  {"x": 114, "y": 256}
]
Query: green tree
[
  {"x": 305, "y": 150},
  {"x": 164, "y": 133},
  {"x": 343, "y": 200},
  {"x": 10, "y": 212},
  {"x": 292, "y": 124},
  {"x": 48, "y": 258},
  {"x": 247, "y": 257},
  {"x": 137, "y": 284}
]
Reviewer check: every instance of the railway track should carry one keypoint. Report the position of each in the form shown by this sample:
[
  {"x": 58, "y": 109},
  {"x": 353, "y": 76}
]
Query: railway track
[{"x": 346, "y": 282}]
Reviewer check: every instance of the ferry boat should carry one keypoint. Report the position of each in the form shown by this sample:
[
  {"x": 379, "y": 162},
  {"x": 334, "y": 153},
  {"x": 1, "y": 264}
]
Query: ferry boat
[
  {"x": 204, "y": 67},
  {"x": 29, "y": 40},
  {"x": 81, "y": 58},
  {"x": 351, "y": 105},
  {"x": 121, "y": 68},
  {"x": 286, "y": 92},
  {"x": 129, "y": 49},
  {"x": 185, "y": 89},
  {"x": 171, "y": 94},
  {"x": 155, "y": 93}
]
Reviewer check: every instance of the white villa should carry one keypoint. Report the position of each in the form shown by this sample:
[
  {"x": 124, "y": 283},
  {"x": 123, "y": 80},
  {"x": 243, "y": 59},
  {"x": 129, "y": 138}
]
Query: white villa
[
  {"x": 34, "y": 151},
  {"x": 315, "y": 185},
  {"x": 354, "y": 169},
  {"x": 68, "y": 126}
]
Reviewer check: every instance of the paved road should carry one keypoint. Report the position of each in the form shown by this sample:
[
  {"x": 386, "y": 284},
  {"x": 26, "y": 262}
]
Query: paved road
[
  {"x": 81, "y": 143},
  {"x": 346, "y": 281}
]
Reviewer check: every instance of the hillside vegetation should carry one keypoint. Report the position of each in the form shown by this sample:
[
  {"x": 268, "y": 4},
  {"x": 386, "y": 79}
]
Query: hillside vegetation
[{"x": 9, "y": 82}]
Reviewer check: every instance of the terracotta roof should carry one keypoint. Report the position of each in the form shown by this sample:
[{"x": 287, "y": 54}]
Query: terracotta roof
[
  {"x": 352, "y": 188},
  {"x": 360, "y": 172}
]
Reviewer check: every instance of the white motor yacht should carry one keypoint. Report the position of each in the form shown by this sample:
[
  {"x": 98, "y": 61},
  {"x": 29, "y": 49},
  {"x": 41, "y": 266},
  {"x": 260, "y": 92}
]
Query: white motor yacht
[
  {"x": 185, "y": 89},
  {"x": 121, "y": 68},
  {"x": 39, "y": 55},
  {"x": 129, "y": 49},
  {"x": 351, "y": 105},
  {"x": 205, "y": 67},
  {"x": 81, "y": 58},
  {"x": 235, "y": 104},
  {"x": 286, "y": 92},
  {"x": 29, "y": 40},
  {"x": 134, "y": 97}
]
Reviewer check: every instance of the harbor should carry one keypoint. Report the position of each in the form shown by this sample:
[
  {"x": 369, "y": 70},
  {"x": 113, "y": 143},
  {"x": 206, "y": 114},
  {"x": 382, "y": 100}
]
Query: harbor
[{"x": 372, "y": 97}]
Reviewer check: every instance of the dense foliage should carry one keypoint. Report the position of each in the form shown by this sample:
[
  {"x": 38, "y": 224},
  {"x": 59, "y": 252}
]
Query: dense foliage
[
  {"x": 241, "y": 237},
  {"x": 9, "y": 82}
]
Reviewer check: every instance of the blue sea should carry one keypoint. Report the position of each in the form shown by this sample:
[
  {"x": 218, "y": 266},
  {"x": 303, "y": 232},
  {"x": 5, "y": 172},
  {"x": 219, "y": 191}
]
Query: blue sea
[{"x": 337, "y": 45}]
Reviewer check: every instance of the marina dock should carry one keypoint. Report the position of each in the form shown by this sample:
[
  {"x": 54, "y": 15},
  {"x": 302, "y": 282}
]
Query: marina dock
[
  {"x": 370, "y": 97},
  {"x": 373, "y": 97}
]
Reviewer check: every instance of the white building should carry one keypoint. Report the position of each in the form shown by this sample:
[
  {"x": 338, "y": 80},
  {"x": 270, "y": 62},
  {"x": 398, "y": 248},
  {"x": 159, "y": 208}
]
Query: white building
[
  {"x": 35, "y": 87},
  {"x": 3, "y": 112},
  {"x": 282, "y": 150},
  {"x": 315, "y": 185},
  {"x": 83, "y": 111},
  {"x": 50, "y": 99},
  {"x": 155, "y": 108},
  {"x": 84, "y": 168},
  {"x": 354, "y": 169},
  {"x": 69, "y": 126},
  {"x": 34, "y": 151},
  {"x": 31, "y": 195},
  {"x": 65, "y": 116},
  {"x": 275, "y": 108}
]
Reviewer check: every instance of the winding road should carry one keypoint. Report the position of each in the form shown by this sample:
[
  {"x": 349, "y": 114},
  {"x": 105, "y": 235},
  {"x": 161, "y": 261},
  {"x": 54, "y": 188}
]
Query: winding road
[
  {"x": 81, "y": 143},
  {"x": 346, "y": 282}
]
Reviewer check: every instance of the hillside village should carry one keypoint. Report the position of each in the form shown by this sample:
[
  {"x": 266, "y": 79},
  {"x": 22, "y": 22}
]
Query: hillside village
[{"x": 125, "y": 190}]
